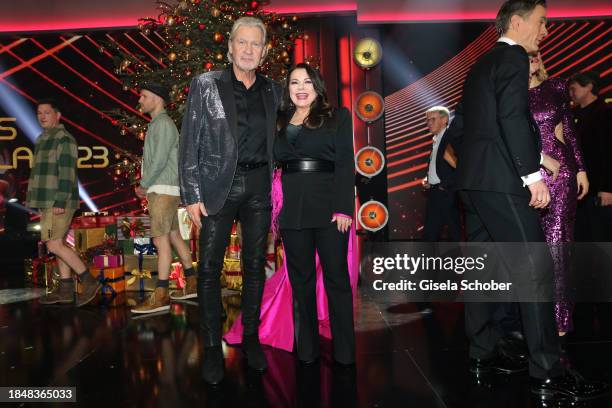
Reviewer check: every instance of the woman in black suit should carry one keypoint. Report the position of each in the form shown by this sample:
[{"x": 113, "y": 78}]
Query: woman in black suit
[{"x": 315, "y": 150}]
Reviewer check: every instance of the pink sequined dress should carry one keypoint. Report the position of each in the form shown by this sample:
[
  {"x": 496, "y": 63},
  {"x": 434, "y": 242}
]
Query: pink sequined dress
[{"x": 550, "y": 106}]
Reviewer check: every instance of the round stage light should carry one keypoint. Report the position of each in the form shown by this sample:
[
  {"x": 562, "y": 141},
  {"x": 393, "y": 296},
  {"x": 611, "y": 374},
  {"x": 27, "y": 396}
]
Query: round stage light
[
  {"x": 369, "y": 106},
  {"x": 369, "y": 161},
  {"x": 367, "y": 52},
  {"x": 373, "y": 215}
]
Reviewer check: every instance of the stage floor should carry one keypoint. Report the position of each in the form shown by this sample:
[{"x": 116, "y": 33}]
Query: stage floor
[{"x": 405, "y": 359}]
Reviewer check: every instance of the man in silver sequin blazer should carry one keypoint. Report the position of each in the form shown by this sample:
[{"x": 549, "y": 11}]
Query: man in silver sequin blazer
[{"x": 225, "y": 169}]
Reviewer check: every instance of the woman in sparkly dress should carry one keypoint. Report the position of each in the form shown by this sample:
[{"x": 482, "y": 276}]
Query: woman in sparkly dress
[{"x": 549, "y": 104}]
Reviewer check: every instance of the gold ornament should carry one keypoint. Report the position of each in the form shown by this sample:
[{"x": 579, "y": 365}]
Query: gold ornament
[
  {"x": 188, "y": 42},
  {"x": 215, "y": 12},
  {"x": 219, "y": 57},
  {"x": 170, "y": 21},
  {"x": 285, "y": 25},
  {"x": 218, "y": 37},
  {"x": 285, "y": 54},
  {"x": 172, "y": 56}
]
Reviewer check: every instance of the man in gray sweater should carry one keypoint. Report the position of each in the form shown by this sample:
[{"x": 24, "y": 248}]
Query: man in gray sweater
[{"x": 160, "y": 184}]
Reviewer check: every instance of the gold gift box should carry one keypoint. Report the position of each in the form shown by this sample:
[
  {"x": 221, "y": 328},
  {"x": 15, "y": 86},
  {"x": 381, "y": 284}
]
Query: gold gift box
[
  {"x": 85, "y": 238},
  {"x": 134, "y": 275}
]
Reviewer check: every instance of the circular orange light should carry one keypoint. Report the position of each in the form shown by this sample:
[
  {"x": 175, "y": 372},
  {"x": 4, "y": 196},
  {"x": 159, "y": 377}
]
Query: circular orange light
[
  {"x": 369, "y": 161},
  {"x": 373, "y": 215},
  {"x": 369, "y": 106}
]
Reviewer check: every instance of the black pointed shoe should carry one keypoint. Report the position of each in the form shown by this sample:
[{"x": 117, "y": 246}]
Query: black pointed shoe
[
  {"x": 253, "y": 352},
  {"x": 213, "y": 369},
  {"x": 500, "y": 363},
  {"x": 570, "y": 385}
]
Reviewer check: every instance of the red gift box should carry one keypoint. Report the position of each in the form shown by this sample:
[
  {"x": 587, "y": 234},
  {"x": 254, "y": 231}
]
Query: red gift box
[{"x": 94, "y": 220}]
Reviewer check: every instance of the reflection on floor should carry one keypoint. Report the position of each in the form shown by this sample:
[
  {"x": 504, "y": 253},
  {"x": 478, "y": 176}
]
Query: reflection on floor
[{"x": 405, "y": 359}]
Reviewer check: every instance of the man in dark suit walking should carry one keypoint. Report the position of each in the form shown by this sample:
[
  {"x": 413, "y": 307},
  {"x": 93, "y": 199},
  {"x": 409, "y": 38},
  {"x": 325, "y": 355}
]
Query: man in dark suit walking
[
  {"x": 225, "y": 174},
  {"x": 498, "y": 172}
]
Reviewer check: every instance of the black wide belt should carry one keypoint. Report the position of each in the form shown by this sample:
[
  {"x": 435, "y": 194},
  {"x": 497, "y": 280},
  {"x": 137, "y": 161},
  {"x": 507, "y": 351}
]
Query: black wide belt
[
  {"x": 250, "y": 166},
  {"x": 308, "y": 165}
]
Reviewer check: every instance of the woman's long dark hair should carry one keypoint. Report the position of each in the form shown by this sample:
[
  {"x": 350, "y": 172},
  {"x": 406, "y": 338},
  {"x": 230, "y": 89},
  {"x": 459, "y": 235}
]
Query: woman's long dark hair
[{"x": 320, "y": 110}]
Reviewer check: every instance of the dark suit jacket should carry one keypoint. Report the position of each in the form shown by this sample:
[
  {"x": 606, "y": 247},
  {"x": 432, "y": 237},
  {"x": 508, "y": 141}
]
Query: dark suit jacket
[
  {"x": 499, "y": 140},
  {"x": 311, "y": 199},
  {"x": 208, "y": 153}
]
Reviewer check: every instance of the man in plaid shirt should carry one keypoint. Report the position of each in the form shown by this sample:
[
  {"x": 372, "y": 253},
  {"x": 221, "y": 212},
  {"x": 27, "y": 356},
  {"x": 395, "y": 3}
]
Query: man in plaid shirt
[{"x": 53, "y": 189}]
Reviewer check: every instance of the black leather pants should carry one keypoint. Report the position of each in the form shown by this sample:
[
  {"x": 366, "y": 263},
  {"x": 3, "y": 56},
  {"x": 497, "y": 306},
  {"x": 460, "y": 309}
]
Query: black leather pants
[{"x": 249, "y": 202}]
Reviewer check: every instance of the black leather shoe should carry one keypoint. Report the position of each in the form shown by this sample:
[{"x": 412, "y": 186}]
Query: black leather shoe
[
  {"x": 214, "y": 365},
  {"x": 513, "y": 347},
  {"x": 570, "y": 385},
  {"x": 500, "y": 363},
  {"x": 253, "y": 353}
]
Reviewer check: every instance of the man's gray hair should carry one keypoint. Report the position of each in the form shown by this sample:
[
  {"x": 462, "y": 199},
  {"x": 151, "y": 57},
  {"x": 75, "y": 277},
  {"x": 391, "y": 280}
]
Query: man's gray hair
[
  {"x": 248, "y": 22},
  {"x": 442, "y": 110}
]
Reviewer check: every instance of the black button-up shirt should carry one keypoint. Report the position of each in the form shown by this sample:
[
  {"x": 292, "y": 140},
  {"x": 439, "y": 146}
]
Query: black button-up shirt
[{"x": 251, "y": 118}]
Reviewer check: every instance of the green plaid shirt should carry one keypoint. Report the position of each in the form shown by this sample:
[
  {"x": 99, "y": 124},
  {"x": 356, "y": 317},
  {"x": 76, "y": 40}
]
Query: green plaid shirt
[{"x": 53, "y": 178}]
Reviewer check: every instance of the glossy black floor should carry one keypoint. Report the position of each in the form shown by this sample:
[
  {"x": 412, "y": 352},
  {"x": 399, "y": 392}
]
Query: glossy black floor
[{"x": 405, "y": 359}]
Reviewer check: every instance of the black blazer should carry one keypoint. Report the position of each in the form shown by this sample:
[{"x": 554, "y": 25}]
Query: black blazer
[
  {"x": 208, "y": 152},
  {"x": 445, "y": 171},
  {"x": 311, "y": 199},
  {"x": 500, "y": 141}
]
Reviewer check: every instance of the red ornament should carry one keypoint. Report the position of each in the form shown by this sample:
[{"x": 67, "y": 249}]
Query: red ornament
[
  {"x": 186, "y": 90},
  {"x": 208, "y": 65},
  {"x": 114, "y": 122},
  {"x": 254, "y": 5},
  {"x": 201, "y": 27}
]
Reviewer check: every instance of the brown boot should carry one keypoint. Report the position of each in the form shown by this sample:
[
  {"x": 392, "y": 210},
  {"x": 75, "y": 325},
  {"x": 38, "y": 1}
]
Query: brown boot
[
  {"x": 91, "y": 286},
  {"x": 61, "y": 294},
  {"x": 157, "y": 302},
  {"x": 189, "y": 291}
]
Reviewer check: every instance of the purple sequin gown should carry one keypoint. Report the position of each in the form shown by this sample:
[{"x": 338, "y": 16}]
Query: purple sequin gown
[{"x": 549, "y": 106}]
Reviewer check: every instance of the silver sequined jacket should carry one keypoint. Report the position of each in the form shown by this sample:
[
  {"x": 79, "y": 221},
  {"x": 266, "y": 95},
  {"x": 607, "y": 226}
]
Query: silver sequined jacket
[{"x": 208, "y": 152}]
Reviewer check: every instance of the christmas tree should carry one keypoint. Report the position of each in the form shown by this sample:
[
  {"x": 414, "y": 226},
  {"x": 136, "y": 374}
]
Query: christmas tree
[{"x": 189, "y": 38}]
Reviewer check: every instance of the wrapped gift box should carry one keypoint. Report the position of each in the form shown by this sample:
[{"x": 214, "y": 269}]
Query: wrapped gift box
[
  {"x": 42, "y": 272},
  {"x": 177, "y": 275},
  {"x": 85, "y": 238},
  {"x": 185, "y": 224},
  {"x": 113, "y": 279},
  {"x": 140, "y": 272},
  {"x": 133, "y": 227},
  {"x": 137, "y": 246},
  {"x": 108, "y": 261},
  {"x": 94, "y": 220}
]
